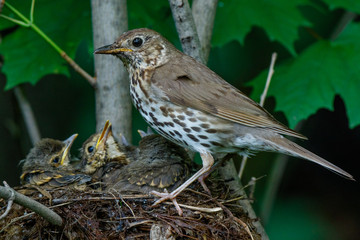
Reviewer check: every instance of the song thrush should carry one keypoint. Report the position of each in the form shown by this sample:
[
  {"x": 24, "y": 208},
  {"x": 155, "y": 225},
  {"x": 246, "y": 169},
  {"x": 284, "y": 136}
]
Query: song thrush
[
  {"x": 189, "y": 104},
  {"x": 48, "y": 164}
]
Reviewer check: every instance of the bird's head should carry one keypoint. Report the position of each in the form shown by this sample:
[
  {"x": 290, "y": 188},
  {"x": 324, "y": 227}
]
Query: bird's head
[
  {"x": 49, "y": 155},
  {"x": 141, "y": 47},
  {"x": 95, "y": 149}
]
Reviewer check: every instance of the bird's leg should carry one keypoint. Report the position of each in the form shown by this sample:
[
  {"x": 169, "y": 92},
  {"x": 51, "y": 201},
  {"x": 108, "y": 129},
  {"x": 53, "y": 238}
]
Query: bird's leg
[
  {"x": 207, "y": 161},
  {"x": 218, "y": 163}
]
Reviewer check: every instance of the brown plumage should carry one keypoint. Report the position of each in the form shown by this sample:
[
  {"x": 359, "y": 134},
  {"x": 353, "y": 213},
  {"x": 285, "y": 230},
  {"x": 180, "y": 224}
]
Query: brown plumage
[
  {"x": 102, "y": 148},
  {"x": 192, "y": 106},
  {"x": 156, "y": 164},
  {"x": 48, "y": 165},
  {"x": 160, "y": 164}
]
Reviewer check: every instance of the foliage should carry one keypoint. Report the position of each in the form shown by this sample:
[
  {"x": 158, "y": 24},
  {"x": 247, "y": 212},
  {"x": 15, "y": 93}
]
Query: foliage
[
  {"x": 311, "y": 81},
  {"x": 312, "y": 84},
  {"x": 27, "y": 57},
  {"x": 280, "y": 19}
]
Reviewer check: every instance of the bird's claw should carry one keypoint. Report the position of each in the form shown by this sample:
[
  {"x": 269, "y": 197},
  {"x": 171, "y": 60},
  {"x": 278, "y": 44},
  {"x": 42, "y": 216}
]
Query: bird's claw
[{"x": 167, "y": 196}]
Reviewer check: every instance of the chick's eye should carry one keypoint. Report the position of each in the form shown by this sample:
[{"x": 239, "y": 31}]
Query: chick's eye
[
  {"x": 137, "y": 42},
  {"x": 56, "y": 160},
  {"x": 90, "y": 149}
]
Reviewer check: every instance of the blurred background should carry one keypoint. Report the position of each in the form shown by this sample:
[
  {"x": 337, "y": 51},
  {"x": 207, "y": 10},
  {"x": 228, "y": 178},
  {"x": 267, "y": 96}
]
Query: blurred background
[{"x": 311, "y": 202}]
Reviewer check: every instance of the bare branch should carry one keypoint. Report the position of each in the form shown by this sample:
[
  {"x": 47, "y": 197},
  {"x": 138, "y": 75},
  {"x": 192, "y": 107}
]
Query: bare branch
[
  {"x": 186, "y": 29},
  {"x": 229, "y": 172},
  {"x": 10, "y": 201},
  {"x": 262, "y": 101},
  {"x": 78, "y": 69},
  {"x": 268, "y": 79},
  {"x": 42, "y": 210},
  {"x": 203, "y": 12},
  {"x": 28, "y": 115}
]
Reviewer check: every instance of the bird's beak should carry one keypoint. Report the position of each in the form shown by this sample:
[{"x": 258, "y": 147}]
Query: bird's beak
[
  {"x": 104, "y": 134},
  {"x": 68, "y": 142},
  {"x": 111, "y": 49}
]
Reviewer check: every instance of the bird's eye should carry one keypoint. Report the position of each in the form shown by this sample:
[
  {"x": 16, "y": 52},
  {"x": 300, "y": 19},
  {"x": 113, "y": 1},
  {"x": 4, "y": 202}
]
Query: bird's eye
[
  {"x": 56, "y": 160},
  {"x": 90, "y": 149},
  {"x": 137, "y": 42}
]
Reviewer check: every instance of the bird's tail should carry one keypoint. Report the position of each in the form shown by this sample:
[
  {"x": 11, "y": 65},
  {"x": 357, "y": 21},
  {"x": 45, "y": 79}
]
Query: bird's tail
[{"x": 290, "y": 148}]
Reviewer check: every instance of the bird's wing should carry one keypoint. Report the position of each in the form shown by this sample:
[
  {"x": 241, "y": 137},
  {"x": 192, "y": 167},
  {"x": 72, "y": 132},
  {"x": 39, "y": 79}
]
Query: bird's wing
[
  {"x": 185, "y": 82},
  {"x": 53, "y": 178},
  {"x": 149, "y": 174},
  {"x": 38, "y": 177},
  {"x": 65, "y": 180}
]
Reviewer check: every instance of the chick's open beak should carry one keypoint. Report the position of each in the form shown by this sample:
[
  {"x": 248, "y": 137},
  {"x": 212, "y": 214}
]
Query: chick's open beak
[
  {"x": 104, "y": 134},
  {"x": 68, "y": 143}
]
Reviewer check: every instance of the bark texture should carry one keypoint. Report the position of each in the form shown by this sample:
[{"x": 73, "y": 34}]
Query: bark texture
[
  {"x": 204, "y": 12},
  {"x": 109, "y": 21}
]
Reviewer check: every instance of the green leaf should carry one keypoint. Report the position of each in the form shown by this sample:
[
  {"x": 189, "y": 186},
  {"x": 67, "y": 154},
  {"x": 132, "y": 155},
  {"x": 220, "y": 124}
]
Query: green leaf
[
  {"x": 350, "y": 5},
  {"x": 279, "y": 18},
  {"x": 311, "y": 81},
  {"x": 27, "y": 57}
]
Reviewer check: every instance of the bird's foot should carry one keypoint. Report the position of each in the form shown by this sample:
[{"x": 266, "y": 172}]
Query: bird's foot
[
  {"x": 201, "y": 180},
  {"x": 167, "y": 196}
]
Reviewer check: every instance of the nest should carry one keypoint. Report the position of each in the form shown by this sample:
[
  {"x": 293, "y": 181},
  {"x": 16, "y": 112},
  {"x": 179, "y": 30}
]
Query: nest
[{"x": 93, "y": 214}]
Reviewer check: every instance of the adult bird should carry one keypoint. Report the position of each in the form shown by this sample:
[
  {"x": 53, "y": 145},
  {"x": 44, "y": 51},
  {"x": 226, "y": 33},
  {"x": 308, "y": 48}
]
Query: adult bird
[{"x": 189, "y": 104}]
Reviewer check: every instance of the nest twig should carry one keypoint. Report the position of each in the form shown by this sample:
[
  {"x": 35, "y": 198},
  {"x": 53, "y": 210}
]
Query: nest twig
[{"x": 92, "y": 214}]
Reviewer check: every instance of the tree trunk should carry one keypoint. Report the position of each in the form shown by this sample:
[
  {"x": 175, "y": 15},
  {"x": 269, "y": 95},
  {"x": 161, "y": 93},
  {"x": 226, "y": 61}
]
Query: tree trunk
[{"x": 109, "y": 21}]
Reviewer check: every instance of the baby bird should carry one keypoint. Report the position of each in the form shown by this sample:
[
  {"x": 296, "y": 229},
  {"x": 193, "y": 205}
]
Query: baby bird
[
  {"x": 156, "y": 164},
  {"x": 102, "y": 148},
  {"x": 48, "y": 165},
  {"x": 160, "y": 164}
]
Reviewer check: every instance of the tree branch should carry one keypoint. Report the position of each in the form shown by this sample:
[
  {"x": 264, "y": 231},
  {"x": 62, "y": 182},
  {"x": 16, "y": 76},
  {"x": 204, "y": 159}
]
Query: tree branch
[
  {"x": 228, "y": 172},
  {"x": 204, "y": 12},
  {"x": 42, "y": 210},
  {"x": 185, "y": 26},
  {"x": 186, "y": 29},
  {"x": 109, "y": 20},
  {"x": 10, "y": 202},
  {"x": 28, "y": 115}
]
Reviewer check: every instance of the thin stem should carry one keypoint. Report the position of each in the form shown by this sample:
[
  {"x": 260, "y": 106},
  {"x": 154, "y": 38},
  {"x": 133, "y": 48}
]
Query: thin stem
[
  {"x": 14, "y": 20},
  {"x": 14, "y": 10},
  {"x": 28, "y": 115},
  {"x": 29, "y": 23},
  {"x": 46, "y": 38},
  {"x": 32, "y": 11},
  {"x": 268, "y": 80},
  {"x": 262, "y": 102}
]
